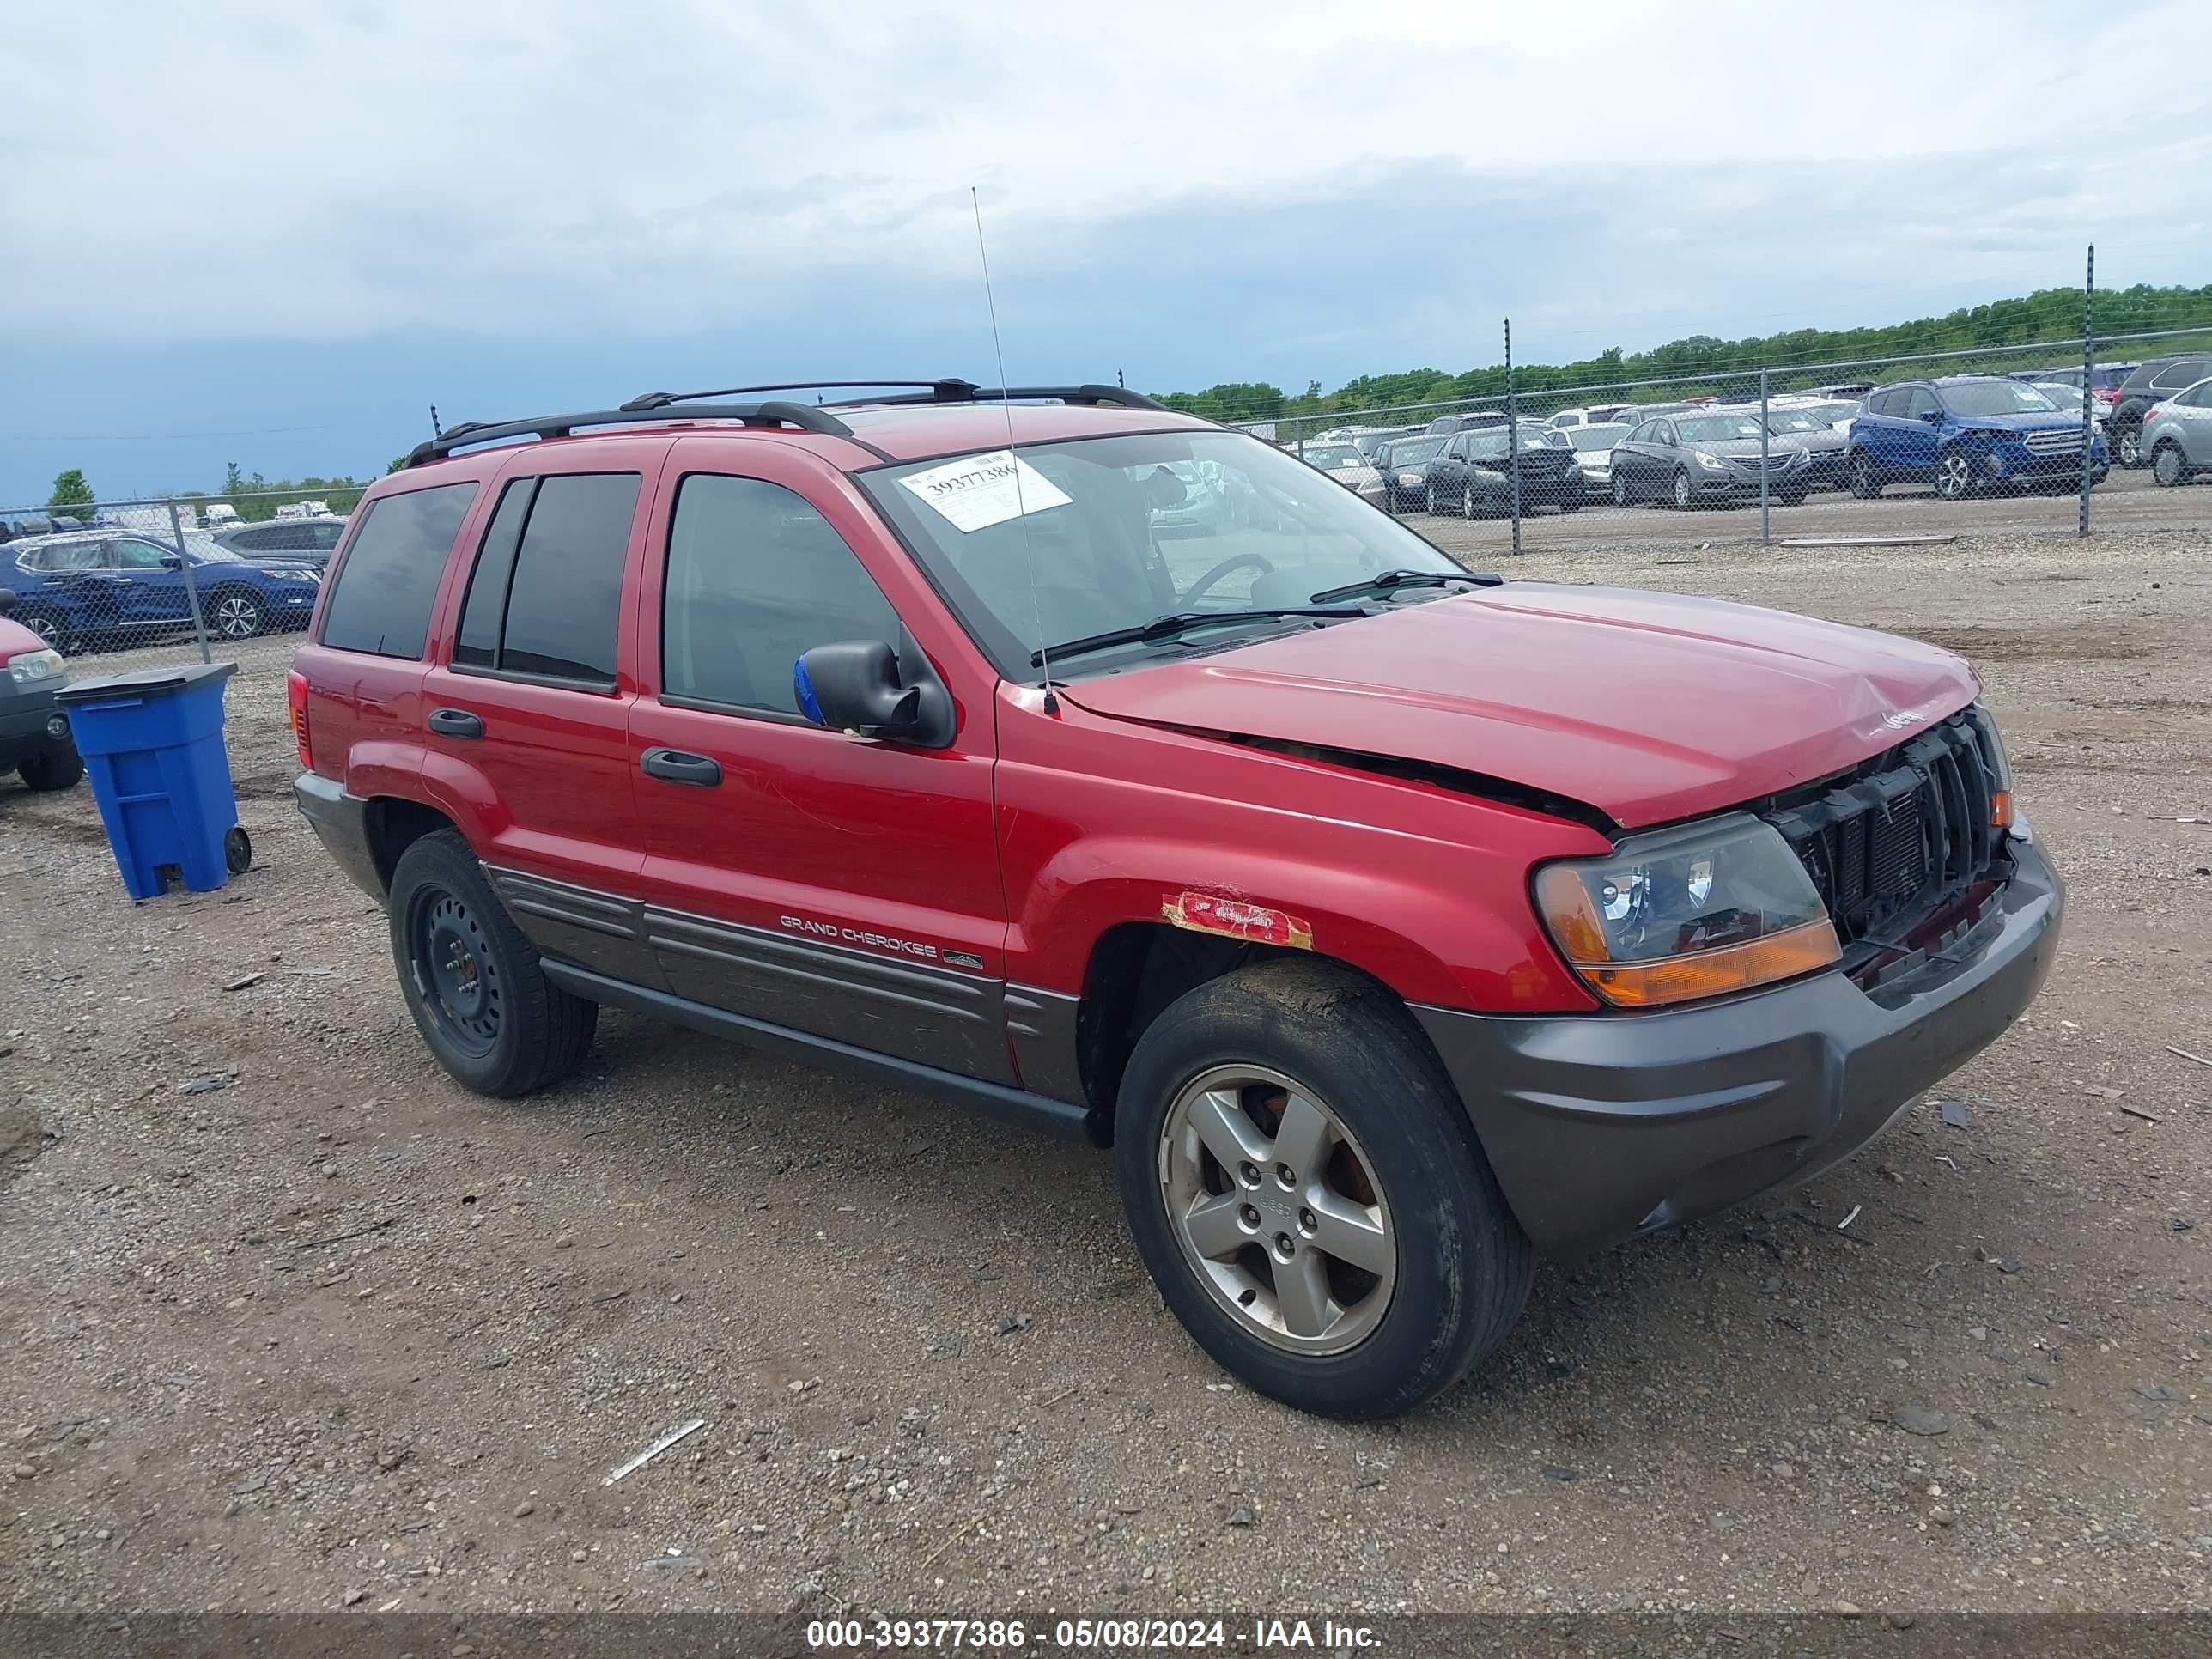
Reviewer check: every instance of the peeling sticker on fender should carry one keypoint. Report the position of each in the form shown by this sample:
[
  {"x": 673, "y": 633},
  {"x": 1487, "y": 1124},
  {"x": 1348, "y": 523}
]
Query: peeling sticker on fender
[{"x": 1203, "y": 914}]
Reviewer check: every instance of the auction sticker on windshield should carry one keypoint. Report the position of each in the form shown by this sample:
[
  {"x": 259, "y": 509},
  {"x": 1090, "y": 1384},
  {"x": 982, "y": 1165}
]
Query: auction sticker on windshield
[{"x": 977, "y": 491}]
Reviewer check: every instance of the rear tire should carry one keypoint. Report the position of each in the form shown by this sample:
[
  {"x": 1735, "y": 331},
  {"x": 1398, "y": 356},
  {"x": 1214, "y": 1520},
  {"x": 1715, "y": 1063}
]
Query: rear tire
[
  {"x": 1620, "y": 490},
  {"x": 2127, "y": 445},
  {"x": 1392, "y": 1150},
  {"x": 472, "y": 979},
  {"x": 2169, "y": 466},
  {"x": 57, "y": 768}
]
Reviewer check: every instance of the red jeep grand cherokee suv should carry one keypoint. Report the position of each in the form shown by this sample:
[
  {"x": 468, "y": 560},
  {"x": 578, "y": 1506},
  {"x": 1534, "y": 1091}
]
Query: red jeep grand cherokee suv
[{"x": 1393, "y": 925}]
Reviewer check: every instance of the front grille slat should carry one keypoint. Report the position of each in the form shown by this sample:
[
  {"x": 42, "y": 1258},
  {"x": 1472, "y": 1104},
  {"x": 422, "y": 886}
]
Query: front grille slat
[
  {"x": 2054, "y": 442},
  {"x": 1892, "y": 842}
]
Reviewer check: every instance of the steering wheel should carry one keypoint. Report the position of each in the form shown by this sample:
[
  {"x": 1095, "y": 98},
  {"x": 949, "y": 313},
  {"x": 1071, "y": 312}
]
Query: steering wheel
[{"x": 1204, "y": 585}]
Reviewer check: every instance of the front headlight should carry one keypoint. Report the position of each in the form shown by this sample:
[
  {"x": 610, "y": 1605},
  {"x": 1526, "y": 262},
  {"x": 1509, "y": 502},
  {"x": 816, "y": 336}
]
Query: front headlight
[
  {"x": 1711, "y": 462},
  {"x": 1410, "y": 478},
  {"x": 1699, "y": 910},
  {"x": 34, "y": 666}
]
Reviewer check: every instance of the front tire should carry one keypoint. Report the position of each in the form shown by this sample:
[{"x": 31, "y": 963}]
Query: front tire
[
  {"x": 1306, "y": 1187},
  {"x": 2169, "y": 466},
  {"x": 236, "y": 613},
  {"x": 1864, "y": 485},
  {"x": 57, "y": 768},
  {"x": 472, "y": 979},
  {"x": 1954, "y": 476},
  {"x": 1684, "y": 498}
]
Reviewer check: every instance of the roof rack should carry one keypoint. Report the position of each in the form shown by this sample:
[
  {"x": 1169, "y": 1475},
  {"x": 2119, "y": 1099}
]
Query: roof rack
[
  {"x": 807, "y": 417},
  {"x": 945, "y": 390},
  {"x": 967, "y": 392}
]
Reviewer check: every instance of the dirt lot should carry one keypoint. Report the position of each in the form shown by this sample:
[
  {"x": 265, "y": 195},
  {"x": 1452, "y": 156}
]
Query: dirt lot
[{"x": 334, "y": 1334}]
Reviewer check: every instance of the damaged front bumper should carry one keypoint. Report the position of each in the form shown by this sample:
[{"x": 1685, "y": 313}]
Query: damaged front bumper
[{"x": 1603, "y": 1125}]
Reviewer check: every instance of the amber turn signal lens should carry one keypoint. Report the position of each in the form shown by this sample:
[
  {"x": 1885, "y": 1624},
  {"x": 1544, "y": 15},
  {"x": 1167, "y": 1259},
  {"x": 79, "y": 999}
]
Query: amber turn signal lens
[
  {"x": 1799, "y": 949},
  {"x": 2000, "y": 809}
]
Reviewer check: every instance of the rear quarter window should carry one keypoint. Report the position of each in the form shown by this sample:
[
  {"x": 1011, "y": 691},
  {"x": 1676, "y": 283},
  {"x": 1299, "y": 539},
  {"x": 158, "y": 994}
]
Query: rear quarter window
[{"x": 388, "y": 580}]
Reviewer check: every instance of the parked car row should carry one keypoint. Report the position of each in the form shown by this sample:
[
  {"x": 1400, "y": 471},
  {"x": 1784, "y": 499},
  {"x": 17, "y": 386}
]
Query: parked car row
[{"x": 109, "y": 590}]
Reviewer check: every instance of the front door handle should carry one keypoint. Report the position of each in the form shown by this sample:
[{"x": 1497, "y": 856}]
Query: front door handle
[
  {"x": 676, "y": 766},
  {"x": 455, "y": 723}
]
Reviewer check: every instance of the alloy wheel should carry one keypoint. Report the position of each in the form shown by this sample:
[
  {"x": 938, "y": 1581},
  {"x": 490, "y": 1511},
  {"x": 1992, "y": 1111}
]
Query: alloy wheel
[
  {"x": 1682, "y": 492},
  {"x": 1954, "y": 476},
  {"x": 2128, "y": 448},
  {"x": 1277, "y": 1210},
  {"x": 1620, "y": 490},
  {"x": 237, "y": 617}
]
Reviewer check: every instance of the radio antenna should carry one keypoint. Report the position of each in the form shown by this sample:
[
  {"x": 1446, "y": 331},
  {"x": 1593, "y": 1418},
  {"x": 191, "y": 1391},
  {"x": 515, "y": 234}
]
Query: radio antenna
[{"x": 1006, "y": 403}]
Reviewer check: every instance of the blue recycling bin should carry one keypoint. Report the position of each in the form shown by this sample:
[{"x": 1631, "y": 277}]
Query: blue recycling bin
[{"x": 152, "y": 744}]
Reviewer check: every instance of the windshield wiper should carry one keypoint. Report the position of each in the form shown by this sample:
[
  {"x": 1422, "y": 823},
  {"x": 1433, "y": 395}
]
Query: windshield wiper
[
  {"x": 1177, "y": 621},
  {"x": 1385, "y": 580}
]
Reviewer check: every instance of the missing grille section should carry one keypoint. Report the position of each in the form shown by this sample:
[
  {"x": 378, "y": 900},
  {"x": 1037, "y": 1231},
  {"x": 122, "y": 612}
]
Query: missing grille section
[{"x": 1901, "y": 839}]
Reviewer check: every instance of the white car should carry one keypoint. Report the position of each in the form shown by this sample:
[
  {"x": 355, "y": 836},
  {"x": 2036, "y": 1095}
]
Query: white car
[
  {"x": 1595, "y": 414},
  {"x": 1342, "y": 462},
  {"x": 1593, "y": 445}
]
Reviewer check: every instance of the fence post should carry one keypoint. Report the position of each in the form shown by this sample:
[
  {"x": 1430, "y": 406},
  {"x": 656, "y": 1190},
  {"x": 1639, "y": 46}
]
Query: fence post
[
  {"x": 1512, "y": 438},
  {"x": 2089, "y": 380},
  {"x": 1765, "y": 509},
  {"x": 191, "y": 587}
]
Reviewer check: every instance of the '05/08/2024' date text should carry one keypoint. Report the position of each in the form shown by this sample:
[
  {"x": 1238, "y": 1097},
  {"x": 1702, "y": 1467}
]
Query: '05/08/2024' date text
[{"x": 1092, "y": 1635}]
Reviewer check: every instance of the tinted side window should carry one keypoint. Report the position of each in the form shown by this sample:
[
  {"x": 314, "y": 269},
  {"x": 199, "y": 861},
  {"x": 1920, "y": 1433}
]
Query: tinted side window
[
  {"x": 325, "y": 536},
  {"x": 485, "y": 608},
  {"x": 565, "y": 599},
  {"x": 389, "y": 578},
  {"x": 1923, "y": 403},
  {"x": 756, "y": 578},
  {"x": 2181, "y": 374}
]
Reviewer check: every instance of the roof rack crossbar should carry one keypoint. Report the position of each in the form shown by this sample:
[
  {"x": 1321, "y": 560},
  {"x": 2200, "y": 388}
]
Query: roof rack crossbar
[
  {"x": 967, "y": 392},
  {"x": 807, "y": 417},
  {"x": 663, "y": 399}
]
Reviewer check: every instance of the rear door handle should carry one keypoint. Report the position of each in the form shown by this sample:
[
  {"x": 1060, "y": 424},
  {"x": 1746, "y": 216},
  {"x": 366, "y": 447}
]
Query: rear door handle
[
  {"x": 676, "y": 766},
  {"x": 455, "y": 723}
]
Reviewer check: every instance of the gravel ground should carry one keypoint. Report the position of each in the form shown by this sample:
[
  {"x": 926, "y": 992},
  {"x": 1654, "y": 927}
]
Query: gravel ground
[{"x": 335, "y": 1334}]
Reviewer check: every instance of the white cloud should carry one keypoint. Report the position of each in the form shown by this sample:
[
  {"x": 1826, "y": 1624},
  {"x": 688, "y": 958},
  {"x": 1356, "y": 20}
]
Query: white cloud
[{"x": 220, "y": 168}]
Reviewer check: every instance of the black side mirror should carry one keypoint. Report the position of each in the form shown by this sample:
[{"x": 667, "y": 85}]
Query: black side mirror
[
  {"x": 864, "y": 686},
  {"x": 172, "y": 562},
  {"x": 6, "y": 600}
]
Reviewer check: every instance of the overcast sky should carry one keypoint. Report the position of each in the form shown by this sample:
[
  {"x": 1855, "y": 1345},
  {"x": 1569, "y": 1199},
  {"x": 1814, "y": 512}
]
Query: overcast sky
[{"x": 274, "y": 233}]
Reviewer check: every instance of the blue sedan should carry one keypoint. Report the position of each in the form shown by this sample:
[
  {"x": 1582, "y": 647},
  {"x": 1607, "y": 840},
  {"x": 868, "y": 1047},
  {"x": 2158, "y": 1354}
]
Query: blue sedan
[{"x": 110, "y": 589}]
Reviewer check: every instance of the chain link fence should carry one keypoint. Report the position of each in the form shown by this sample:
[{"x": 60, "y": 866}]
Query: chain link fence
[
  {"x": 118, "y": 585},
  {"x": 2056, "y": 434}
]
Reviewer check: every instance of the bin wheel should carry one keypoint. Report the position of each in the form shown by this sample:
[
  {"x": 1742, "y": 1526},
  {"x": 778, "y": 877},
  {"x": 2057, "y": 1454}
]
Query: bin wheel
[{"x": 237, "y": 850}]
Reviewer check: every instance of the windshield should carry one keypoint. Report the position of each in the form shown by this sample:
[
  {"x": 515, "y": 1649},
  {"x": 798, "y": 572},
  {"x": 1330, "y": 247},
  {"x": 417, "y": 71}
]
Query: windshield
[
  {"x": 1491, "y": 445},
  {"x": 1829, "y": 414},
  {"x": 1997, "y": 398},
  {"x": 1122, "y": 529},
  {"x": 1716, "y": 428},
  {"x": 205, "y": 549},
  {"x": 1368, "y": 442},
  {"x": 1597, "y": 437},
  {"x": 2063, "y": 397},
  {"x": 1417, "y": 452},
  {"x": 1329, "y": 457},
  {"x": 1795, "y": 420}
]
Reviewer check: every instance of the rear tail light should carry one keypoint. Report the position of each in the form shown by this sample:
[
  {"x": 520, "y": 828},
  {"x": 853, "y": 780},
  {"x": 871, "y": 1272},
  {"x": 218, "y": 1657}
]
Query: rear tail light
[{"x": 296, "y": 695}]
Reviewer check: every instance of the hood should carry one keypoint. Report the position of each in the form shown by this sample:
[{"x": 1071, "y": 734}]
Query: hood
[
  {"x": 1834, "y": 437},
  {"x": 16, "y": 640},
  {"x": 1747, "y": 449},
  {"x": 1649, "y": 706},
  {"x": 2046, "y": 422}
]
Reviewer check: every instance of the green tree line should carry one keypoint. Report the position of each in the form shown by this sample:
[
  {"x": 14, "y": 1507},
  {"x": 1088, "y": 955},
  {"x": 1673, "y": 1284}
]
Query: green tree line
[{"x": 2053, "y": 314}]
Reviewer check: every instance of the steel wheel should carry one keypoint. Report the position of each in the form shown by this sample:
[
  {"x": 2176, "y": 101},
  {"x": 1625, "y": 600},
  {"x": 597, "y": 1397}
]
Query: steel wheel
[
  {"x": 1954, "y": 475},
  {"x": 1277, "y": 1210},
  {"x": 451, "y": 961},
  {"x": 237, "y": 616}
]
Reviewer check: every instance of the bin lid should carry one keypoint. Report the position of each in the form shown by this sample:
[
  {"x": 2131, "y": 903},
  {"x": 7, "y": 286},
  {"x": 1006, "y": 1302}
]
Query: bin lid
[{"x": 146, "y": 682}]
